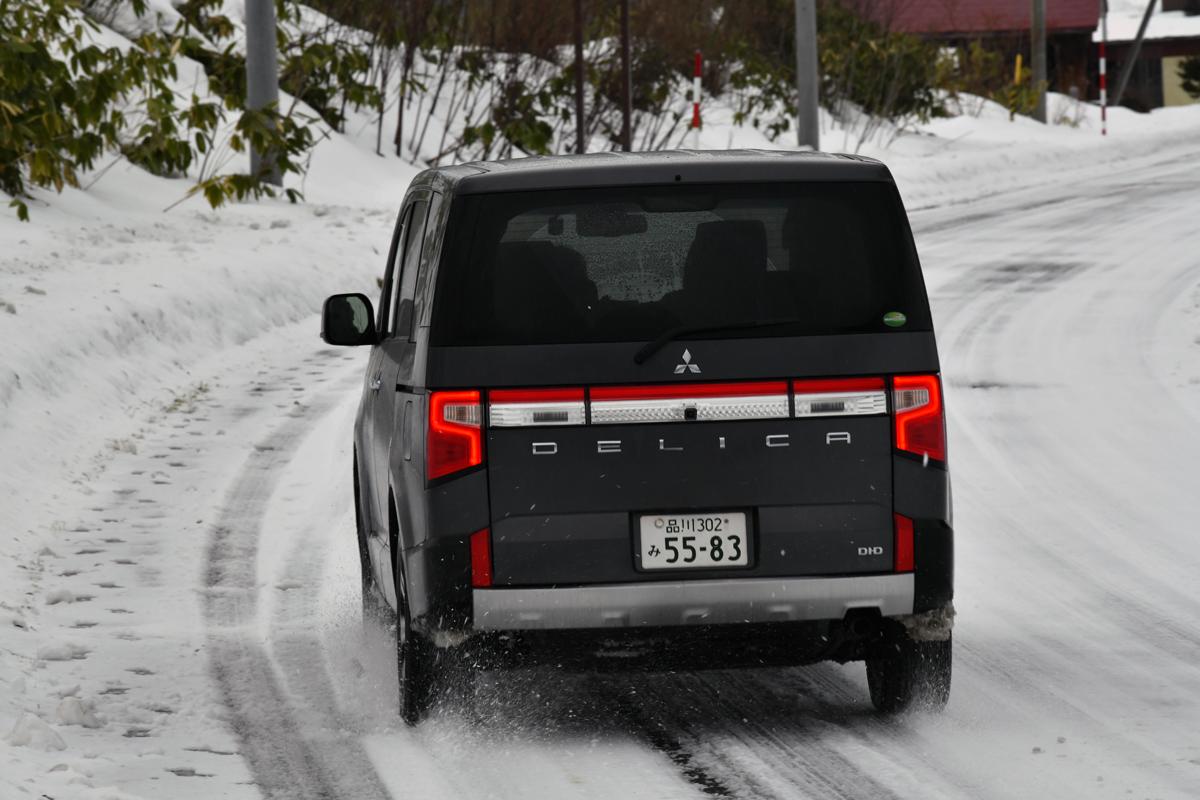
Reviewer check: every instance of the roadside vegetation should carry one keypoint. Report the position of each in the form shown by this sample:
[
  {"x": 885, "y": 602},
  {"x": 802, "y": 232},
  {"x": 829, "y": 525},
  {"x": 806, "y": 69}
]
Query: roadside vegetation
[
  {"x": 439, "y": 80},
  {"x": 1189, "y": 75},
  {"x": 74, "y": 98}
]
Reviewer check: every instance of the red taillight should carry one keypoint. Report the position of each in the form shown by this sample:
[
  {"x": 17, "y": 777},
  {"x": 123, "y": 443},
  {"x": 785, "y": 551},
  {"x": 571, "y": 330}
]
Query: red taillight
[
  {"x": 455, "y": 440},
  {"x": 481, "y": 559},
  {"x": 536, "y": 395},
  {"x": 920, "y": 419},
  {"x": 838, "y": 385},
  {"x": 905, "y": 557}
]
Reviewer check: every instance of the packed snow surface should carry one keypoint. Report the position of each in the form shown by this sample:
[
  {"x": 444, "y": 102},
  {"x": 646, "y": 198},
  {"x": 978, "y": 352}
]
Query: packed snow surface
[{"x": 179, "y": 612}]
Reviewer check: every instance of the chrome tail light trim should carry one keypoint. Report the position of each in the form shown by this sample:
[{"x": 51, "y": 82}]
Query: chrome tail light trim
[
  {"x": 694, "y": 409},
  {"x": 841, "y": 404}
]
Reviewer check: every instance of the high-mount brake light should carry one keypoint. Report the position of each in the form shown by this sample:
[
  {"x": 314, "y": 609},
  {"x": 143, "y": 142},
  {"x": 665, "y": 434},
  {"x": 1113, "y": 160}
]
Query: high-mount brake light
[
  {"x": 516, "y": 408},
  {"x": 481, "y": 559},
  {"x": 840, "y": 397},
  {"x": 904, "y": 549},
  {"x": 920, "y": 416},
  {"x": 455, "y": 440},
  {"x": 689, "y": 401}
]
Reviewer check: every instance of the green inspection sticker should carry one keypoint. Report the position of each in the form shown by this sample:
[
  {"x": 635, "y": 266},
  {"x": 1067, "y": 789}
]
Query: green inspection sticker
[{"x": 894, "y": 319}]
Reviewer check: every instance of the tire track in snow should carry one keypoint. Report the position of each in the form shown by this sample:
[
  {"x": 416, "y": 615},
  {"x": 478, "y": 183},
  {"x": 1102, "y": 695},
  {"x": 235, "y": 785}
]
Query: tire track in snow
[
  {"x": 299, "y": 647},
  {"x": 287, "y": 758},
  {"x": 662, "y": 740},
  {"x": 733, "y": 740}
]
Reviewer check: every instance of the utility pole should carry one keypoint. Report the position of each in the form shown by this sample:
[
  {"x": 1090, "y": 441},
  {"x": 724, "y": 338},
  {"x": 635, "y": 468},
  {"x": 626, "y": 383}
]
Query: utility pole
[
  {"x": 262, "y": 76},
  {"x": 1038, "y": 61},
  {"x": 1132, "y": 57},
  {"x": 579, "y": 121},
  {"x": 626, "y": 82},
  {"x": 697, "y": 77},
  {"x": 808, "y": 123},
  {"x": 1104, "y": 67}
]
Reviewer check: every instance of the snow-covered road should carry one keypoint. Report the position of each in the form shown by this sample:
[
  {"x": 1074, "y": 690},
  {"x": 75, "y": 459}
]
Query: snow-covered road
[{"x": 228, "y": 656}]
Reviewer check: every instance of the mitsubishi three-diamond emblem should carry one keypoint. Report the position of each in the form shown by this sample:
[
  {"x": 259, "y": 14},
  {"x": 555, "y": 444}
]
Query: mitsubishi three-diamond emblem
[{"x": 687, "y": 365}]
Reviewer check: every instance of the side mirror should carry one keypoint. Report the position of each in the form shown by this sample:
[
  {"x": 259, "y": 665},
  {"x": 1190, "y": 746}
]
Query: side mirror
[{"x": 348, "y": 319}]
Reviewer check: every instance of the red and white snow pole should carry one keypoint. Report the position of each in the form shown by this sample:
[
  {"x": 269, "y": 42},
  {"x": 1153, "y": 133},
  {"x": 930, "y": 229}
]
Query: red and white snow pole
[
  {"x": 696, "y": 74},
  {"x": 1104, "y": 69}
]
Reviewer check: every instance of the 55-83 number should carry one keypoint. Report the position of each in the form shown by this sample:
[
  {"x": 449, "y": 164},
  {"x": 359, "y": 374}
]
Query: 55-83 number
[{"x": 684, "y": 549}]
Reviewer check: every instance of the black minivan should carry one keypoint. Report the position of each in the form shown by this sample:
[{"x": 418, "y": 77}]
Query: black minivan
[{"x": 675, "y": 409}]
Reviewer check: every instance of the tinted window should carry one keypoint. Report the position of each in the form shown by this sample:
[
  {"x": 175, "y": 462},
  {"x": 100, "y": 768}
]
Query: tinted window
[
  {"x": 613, "y": 265},
  {"x": 406, "y": 272},
  {"x": 390, "y": 277}
]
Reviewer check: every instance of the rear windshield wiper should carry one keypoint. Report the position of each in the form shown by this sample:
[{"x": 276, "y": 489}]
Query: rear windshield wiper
[{"x": 650, "y": 348}]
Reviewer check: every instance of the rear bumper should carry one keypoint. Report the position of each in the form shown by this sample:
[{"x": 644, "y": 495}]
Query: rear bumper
[{"x": 699, "y": 602}]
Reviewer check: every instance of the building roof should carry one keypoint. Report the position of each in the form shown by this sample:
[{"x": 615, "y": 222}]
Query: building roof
[
  {"x": 968, "y": 17},
  {"x": 656, "y": 168}
]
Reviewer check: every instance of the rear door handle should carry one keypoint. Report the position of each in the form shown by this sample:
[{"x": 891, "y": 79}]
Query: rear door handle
[{"x": 376, "y": 382}]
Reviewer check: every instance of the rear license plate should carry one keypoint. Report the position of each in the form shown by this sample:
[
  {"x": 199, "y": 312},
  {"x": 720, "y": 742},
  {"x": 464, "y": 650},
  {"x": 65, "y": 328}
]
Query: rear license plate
[{"x": 691, "y": 541}]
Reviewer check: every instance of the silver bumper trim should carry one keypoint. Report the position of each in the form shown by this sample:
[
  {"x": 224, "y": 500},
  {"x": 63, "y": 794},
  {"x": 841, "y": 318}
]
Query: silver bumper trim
[{"x": 705, "y": 602}]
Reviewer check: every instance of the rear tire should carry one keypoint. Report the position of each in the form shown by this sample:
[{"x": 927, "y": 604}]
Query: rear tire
[
  {"x": 373, "y": 604},
  {"x": 910, "y": 675},
  {"x": 415, "y": 664}
]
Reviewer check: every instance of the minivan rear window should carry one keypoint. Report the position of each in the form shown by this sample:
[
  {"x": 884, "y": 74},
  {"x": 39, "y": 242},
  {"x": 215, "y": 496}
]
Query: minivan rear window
[{"x": 628, "y": 264}]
